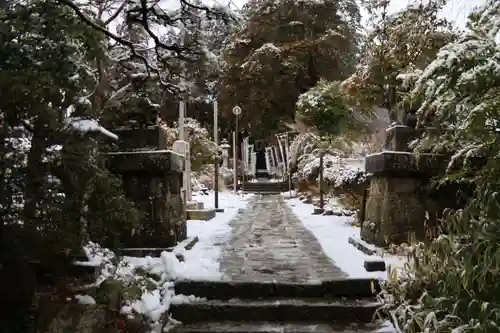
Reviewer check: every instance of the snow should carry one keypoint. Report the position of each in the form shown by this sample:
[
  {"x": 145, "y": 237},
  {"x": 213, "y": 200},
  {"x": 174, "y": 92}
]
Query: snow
[
  {"x": 289, "y": 194},
  {"x": 270, "y": 180},
  {"x": 268, "y": 47},
  {"x": 184, "y": 299},
  {"x": 88, "y": 125},
  {"x": 146, "y": 151},
  {"x": 393, "y": 127},
  {"x": 333, "y": 232},
  {"x": 336, "y": 170},
  {"x": 200, "y": 263},
  {"x": 85, "y": 299},
  {"x": 390, "y": 152}
]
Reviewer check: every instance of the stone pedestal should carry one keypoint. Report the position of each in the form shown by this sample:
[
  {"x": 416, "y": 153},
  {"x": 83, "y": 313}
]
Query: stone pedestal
[
  {"x": 394, "y": 210},
  {"x": 152, "y": 179},
  {"x": 396, "y": 203}
]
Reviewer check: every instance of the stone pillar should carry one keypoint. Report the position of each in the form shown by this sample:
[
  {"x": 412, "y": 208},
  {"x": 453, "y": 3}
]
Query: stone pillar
[
  {"x": 182, "y": 147},
  {"x": 152, "y": 179},
  {"x": 187, "y": 173},
  {"x": 225, "y": 153},
  {"x": 395, "y": 209},
  {"x": 254, "y": 163}
]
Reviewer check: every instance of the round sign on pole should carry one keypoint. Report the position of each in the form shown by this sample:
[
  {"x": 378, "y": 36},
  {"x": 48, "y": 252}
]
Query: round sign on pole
[{"x": 236, "y": 110}]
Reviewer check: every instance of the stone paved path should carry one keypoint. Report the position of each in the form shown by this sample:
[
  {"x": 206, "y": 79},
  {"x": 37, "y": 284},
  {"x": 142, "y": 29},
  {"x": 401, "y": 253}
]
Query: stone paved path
[{"x": 269, "y": 243}]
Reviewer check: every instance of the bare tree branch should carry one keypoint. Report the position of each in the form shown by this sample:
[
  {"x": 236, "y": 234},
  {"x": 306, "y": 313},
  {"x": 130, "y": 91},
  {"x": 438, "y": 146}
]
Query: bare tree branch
[
  {"x": 122, "y": 41},
  {"x": 115, "y": 14},
  {"x": 103, "y": 30},
  {"x": 143, "y": 14}
]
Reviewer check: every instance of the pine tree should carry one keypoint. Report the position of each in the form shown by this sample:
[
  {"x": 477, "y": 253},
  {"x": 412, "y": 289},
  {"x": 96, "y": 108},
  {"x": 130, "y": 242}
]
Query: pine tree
[
  {"x": 396, "y": 44},
  {"x": 284, "y": 48}
]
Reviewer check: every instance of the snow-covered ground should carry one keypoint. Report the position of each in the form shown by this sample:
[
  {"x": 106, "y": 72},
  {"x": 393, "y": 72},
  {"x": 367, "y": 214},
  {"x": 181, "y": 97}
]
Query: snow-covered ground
[
  {"x": 271, "y": 180},
  {"x": 333, "y": 233},
  {"x": 201, "y": 262},
  {"x": 156, "y": 276}
]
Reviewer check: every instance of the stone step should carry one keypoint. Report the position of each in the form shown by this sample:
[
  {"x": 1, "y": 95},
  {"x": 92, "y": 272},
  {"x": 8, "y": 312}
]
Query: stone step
[
  {"x": 276, "y": 310},
  {"x": 348, "y": 288},
  {"x": 262, "y": 174},
  {"x": 265, "y": 184},
  {"x": 264, "y": 189},
  {"x": 273, "y": 327},
  {"x": 268, "y": 190},
  {"x": 263, "y": 192},
  {"x": 200, "y": 214}
]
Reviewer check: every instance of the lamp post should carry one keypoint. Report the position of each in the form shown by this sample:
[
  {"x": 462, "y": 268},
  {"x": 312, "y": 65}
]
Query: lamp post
[
  {"x": 216, "y": 162},
  {"x": 236, "y": 112}
]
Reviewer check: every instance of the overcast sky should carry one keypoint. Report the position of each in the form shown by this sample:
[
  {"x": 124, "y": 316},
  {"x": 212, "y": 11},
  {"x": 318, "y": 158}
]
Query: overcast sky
[{"x": 456, "y": 10}]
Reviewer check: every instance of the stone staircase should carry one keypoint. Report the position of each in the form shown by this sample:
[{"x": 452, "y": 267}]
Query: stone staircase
[
  {"x": 346, "y": 305},
  {"x": 265, "y": 186},
  {"x": 262, "y": 173}
]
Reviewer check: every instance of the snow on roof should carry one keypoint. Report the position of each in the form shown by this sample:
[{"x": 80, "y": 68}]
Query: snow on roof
[{"x": 88, "y": 125}]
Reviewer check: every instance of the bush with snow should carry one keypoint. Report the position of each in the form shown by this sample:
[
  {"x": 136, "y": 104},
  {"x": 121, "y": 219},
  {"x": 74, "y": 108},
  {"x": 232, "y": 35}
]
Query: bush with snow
[
  {"x": 452, "y": 282},
  {"x": 337, "y": 168},
  {"x": 324, "y": 108},
  {"x": 143, "y": 286}
]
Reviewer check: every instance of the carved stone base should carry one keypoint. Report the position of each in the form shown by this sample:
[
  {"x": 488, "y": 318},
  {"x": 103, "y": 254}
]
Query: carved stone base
[
  {"x": 394, "y": 211},
  {"x": 158, "y": 235}
]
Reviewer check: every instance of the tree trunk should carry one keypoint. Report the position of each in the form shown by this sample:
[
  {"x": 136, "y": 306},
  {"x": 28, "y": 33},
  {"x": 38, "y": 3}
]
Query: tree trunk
[
  {"x": 3, "y": 204},
  {"x": 34, "y": 179}
]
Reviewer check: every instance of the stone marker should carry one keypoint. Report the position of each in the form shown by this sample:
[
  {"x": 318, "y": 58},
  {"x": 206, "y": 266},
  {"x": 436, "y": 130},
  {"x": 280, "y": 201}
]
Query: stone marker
[
  {"x": 152, "y": 178},
  {"x": 395, "y": 206},
  {"x": 182, "y": 147},
  {"x": 225, "y": 153}
]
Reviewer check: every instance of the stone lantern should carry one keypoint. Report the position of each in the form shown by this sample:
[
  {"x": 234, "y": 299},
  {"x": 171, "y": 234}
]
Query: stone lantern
[
  {"x": 396, "y": 205},
  {"x": 152, "y": 179},
  {"x": 225, "y": 153}
]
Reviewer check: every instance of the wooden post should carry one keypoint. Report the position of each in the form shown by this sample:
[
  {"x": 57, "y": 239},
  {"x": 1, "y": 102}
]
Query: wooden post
[
  {"x": 362, "y": 210},
  {"x": 288, "y": 169},
  {"x": 321, "y": 199}
]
